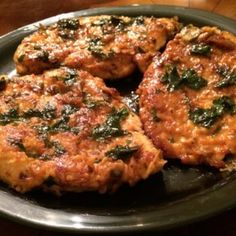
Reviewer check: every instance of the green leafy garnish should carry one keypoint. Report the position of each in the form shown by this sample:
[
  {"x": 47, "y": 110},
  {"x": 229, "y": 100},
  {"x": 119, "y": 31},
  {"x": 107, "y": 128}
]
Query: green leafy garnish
[
  {"x": 72, "y": 24},
  {"x": 111, "y": 127},
  {"x": 119, "y": 23},
  {"x": 201, "y": 49},
  {"x": 207, "y": 117},
  {"x": 171, "y": 78},
  {"x": 49, "y": 112},
  {"x": 122, "y": 152},
  {"x": 189, "y": 78},
  {"x": 229, "y": 77},
  {"x": 10, "y": 116},
  {"x": 58, "y": 148},
  {"x": 95, "y": 46}
]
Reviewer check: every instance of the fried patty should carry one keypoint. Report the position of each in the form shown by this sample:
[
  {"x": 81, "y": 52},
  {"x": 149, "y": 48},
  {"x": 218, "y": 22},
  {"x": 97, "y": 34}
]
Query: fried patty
[
  {"x": 188, "y": 97},
  {"x": 65, "y": 130},
  {"x": 110, "y": 47}
]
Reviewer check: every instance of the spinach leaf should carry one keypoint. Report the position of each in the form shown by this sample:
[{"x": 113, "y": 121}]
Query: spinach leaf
[
  {"x": 207, "y": 117},
  {"x": 111, "y": 127},
  {"x": 171, "y": 78},
  {"x": 122, "y": 152},
  {"x": 229, "y": 77},
  {"x": 72, "y": 24},
  {"x": 201, "y": 49},
  {"x": 9, "y": 117},
  {"x": 191, "y": 79}
]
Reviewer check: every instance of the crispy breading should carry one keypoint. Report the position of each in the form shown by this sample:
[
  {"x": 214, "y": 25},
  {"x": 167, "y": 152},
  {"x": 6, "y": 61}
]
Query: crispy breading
[
  {"x": 110, "y": 47},
  {"x": 65, "y": 130},
  {"x": 188, "y": 97}
]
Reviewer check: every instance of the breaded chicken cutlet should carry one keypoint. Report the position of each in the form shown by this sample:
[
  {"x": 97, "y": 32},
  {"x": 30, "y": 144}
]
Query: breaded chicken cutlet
[
  {"x": 110, "y": 47},
  {"x": 188, "y": 97},
  {"x": 65, "y": 130}
]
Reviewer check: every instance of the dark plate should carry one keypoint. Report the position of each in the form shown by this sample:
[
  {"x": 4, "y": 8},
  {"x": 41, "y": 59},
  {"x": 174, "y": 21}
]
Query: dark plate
[{"x": 178, "y": 195}]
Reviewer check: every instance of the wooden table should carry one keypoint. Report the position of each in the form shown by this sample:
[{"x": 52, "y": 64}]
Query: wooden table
[{"x": 21, "y": 12}]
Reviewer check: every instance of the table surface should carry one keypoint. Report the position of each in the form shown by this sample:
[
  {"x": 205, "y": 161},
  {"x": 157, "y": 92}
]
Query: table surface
[{"x": 21, "y": 12}]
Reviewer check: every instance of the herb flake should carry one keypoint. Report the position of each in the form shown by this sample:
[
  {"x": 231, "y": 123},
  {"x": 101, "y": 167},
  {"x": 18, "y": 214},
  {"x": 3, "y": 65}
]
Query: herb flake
[
  {"x": 111, "y": 127},
  {"x": 207, "y": 117},
  {"x": 229, "y": 77},
  {"x": 122, "y": 152},
  {"x": 201, "y": 49}
]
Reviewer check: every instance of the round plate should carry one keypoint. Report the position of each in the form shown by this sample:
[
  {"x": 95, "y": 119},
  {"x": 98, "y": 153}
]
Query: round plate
[{"x": 175, "y": 196}]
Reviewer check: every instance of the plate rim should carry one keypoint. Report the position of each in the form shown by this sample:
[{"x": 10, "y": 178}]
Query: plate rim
[{"x": 139, "y": 223}]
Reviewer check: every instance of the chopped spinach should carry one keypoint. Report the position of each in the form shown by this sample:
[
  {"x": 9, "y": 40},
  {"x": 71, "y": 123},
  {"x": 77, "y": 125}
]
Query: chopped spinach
[
  {"x": 192, "y": 80},
  {"x": 9, "y": 117},
  {"x": 58, "y": 148},
  {"x": 171, "y": 78},
  {"x": 32, "y": 113},
  {"x": 119, "y": 23},
  {"x": 95, "y": 46},
  {"x": 111, "y": 127},
  {"x": 229, "y": 77},
  {"x": 207, "y": 117},
  {"x": 201, "y": 49},
  {"x": 122, "y": 152},
  {"x": 189, "y": 78},
  {"x": 115, "y": 21},
  {"x": 49, "y": 112},
  {"x": 72, "y": 24},
  {"x": 61, "y": 125}
]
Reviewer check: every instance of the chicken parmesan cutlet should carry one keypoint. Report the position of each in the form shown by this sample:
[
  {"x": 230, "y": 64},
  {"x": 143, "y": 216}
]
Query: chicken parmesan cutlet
[
  {"x": 188, "y": 97},
  {"x": 65, "y": 130},
  {"x": 110, "y": 47}
]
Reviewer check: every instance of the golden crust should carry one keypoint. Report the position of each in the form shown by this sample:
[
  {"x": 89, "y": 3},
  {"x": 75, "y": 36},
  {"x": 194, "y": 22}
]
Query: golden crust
[
  {"x": 47, "y": 137},
  {"x": 172, "y": 128},
  {"x": 109, "y": 47}
]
